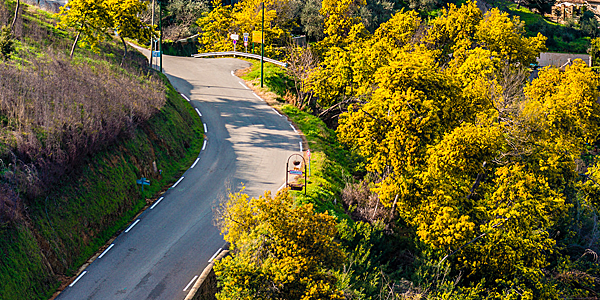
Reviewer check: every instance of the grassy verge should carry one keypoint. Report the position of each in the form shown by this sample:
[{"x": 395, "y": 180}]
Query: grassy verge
[
  {"x": 330, "y": 163},
  {"x": 274, "y": 78}
]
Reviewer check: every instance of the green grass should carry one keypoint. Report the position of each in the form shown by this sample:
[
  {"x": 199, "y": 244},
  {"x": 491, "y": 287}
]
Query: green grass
[
  {"x": 23, "y": 274},
  {"x": 275, "y": 77}
]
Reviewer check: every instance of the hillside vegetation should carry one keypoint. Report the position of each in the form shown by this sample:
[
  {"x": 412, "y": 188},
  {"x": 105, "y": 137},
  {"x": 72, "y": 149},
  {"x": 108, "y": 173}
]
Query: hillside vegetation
[{"x": 75, "y": 134}]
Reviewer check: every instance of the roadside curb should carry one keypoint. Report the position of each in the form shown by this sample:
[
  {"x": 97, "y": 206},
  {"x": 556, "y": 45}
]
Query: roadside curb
[{"x": 192, "y": 294}]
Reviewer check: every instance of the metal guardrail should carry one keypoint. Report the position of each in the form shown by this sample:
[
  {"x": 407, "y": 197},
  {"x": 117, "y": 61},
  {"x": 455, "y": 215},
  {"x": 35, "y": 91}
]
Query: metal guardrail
[{"x": 243, "y": 54}]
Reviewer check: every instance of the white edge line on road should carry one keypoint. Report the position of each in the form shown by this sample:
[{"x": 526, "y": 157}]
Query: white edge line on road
[
  {"x": 215, "y": 255},
  {"x": 136, "y": 221},
  {"x": 197, "y": 159},
  {"x": 296, "y": 131},
  {"x": 282, "y": 186},
  {"x": 259, "y": 98},
  {"x": 204, "y": 146},
  {"x": 244, "y": 85},
  {"x": 300, "y": 146},
  {"x": 276, "y": 112},
  {"x": 187, "y": 286},
  {"x": 185, "y": 97},
  {"x": 105, "y": 251},
  {"x": 157, "y": 202},
  {"x": 205, "y": 129},
  {"x": 178, "y": 181},
  {"x": 77, "y": 279},
  {"x": 198, "y": 112}
]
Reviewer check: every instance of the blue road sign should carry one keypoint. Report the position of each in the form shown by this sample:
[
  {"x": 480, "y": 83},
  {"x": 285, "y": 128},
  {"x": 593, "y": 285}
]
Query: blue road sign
[
  {"x": 143, "y": 181},
  {"x": 295, "y": 172}
]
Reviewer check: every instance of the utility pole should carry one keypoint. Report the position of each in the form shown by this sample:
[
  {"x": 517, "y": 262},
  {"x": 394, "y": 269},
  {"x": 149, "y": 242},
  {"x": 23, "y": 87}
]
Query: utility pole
[
  {"x": 152, "y": 36},
  {"x": 160, "y": 38},
  {"x": 262, "y": 45}
]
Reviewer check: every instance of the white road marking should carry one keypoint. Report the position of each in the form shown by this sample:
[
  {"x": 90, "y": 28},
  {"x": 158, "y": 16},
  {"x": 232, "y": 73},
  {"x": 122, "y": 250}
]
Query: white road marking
[
  {"x": 101, "y": 255},
  {"x": 185, "y": 97},
  {"x": 215, "y": 255},
  {"x": 198, "y": 112},
  {"x": 204, "y": 146},
  {"x": 205, "y": 129},
  {"x": 276, "y": 112},
  {"x": 77, "y": 279},
  {"x": 178, "y": 181},
  {"x": 296, "y": 131},
  {"x": 244, "y": 85},
  {"x": 136, "y": 221},
  {"x": 157, "y": 202},
  {"x": 259, "y": 98},
  {"x": 197, "y": 159},
  {"x": 187, "y": 286},
  {"x": 232, "y": 74},
  {"x": 300, "y": 146}
]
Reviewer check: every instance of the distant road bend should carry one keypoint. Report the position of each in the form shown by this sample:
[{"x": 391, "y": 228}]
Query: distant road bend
[{"x": 162, "y": 252}]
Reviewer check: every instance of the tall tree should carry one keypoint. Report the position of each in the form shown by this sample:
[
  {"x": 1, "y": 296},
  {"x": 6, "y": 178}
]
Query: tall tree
[
  {"x": 94, "y": 21},
  {"x": 214, "y": 25},
  {"x": 90, "y": 18},
  {"x": 126, "y": 23}
]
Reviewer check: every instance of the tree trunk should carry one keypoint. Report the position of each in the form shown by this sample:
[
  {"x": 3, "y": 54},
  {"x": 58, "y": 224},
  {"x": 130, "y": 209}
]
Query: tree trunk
[
  {"x": 124, "y": 45},
  {"x": 12, "y": 25},
  {"x": 74, "y": 44}
]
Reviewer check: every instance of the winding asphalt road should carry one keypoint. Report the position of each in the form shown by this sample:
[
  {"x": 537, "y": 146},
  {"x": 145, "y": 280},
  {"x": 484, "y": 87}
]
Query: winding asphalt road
[{"x": 168, "y": 246}]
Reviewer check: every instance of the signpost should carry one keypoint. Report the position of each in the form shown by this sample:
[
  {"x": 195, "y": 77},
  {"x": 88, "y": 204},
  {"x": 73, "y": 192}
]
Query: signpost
[
  {"x": 246, "y": 35},
  {"x": 262, "y": 49},
  {"x": 143, "y": 181},
  {"x": 235, "y": 38}
]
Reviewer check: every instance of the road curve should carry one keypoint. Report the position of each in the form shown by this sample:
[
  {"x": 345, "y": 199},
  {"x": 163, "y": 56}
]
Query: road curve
[{"x": 248, "y": 143}]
